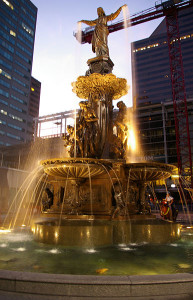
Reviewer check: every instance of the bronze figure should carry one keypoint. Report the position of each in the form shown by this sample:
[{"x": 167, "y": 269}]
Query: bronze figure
[{"x": 101, "y": 32}]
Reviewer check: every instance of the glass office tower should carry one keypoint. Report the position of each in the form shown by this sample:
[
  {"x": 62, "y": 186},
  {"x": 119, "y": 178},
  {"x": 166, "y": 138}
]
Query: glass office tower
[
  {"x": 152, "y": 89},
  {"x": 151, "y": 66},
  {"x": 17, "y": 34}
]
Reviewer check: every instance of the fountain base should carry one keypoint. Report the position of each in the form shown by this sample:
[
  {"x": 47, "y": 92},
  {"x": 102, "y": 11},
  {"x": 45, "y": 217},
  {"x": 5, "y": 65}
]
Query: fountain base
[{"x": 89, "y": 233}]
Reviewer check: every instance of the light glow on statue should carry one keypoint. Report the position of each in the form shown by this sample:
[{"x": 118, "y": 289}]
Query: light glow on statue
[{"x": 131, "y": 139}]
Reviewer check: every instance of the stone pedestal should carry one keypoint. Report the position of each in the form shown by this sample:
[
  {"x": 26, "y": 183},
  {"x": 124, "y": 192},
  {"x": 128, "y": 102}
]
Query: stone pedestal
[{"x": 100, "y": 64}]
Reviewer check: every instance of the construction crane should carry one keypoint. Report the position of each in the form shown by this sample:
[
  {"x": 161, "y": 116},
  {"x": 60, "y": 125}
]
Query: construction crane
[
  {"x": 155, "y": 12},
  {"x": 169, "y": 10}
]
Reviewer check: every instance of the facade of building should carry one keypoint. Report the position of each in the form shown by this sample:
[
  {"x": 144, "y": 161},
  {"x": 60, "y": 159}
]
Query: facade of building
[
  {"x": 34, "y": 100},
  {"x": 152, "y": 89},
  {"x": 151, "y": 66},
  {"x": 17, "y": 34},
  {"x": 156, "y": 128}
]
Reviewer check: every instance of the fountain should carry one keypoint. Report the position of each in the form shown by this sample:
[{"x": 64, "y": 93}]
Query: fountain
[
  {"x": 97, "y": 173},
  {"x": 96, "y": 199}
]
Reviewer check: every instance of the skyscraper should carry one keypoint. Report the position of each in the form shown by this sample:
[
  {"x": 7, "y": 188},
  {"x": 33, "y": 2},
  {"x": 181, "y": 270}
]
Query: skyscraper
[
  {"x": 17, "y": 34},
  {"x": 152, "y": 90},
  {"x": 35, "y": 89},
  {"x": 151, "y": 66}
]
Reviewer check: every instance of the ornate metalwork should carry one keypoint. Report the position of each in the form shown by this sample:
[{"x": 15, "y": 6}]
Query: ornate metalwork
[
  {"x": 74, "y": 168},
  {"x": 97, "y": 86}
]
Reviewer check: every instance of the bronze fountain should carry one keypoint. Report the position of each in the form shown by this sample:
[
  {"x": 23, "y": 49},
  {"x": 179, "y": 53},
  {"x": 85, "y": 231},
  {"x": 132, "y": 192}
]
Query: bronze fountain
[{"x": 98, "y": 196}]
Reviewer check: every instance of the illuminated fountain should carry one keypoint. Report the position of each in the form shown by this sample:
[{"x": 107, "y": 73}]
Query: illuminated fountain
[
  {"x": 94, "y": 215},
  {"x": 95, "y": 184}
]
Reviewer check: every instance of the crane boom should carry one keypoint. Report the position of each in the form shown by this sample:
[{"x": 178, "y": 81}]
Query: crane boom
[{"x": 158, "y": 11}]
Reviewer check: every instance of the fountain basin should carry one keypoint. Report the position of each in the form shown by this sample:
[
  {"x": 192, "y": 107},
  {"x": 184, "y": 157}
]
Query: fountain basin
[
  {"x": 19, "y": 284},
  {"x": 85, "y": 167},
  {"x": 75, "y": 168},
  {"x": 130, "y": 259},
  {"x": 97, "y": 233},
  {"x": 148, "y": 171}
]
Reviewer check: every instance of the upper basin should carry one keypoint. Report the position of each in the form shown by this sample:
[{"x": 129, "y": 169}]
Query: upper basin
[
  {"x": 75, "y": 168},
  {"x": 149, "y": 171}
]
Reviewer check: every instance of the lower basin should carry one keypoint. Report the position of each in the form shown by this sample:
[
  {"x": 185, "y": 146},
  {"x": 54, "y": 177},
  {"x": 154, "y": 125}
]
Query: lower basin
[
  {"x": 96, "y": 233},
  {"x": 19, "y": 252}
]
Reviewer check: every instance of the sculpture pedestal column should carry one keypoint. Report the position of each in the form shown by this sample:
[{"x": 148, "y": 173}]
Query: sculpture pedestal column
[
  {"x": 100, "y": 64},
  {"x": 56, "y": 200},
  {"x": 142, "y": 187}
]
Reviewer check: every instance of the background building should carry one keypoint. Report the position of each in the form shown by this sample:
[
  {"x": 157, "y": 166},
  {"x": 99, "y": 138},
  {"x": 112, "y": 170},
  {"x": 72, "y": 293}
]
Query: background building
[
  {"x": 156, "y": 126},
  {"x": 151, "y": 67},
  {"x": 34, "y": 102},
  {"x": 152, "y": 90},
  {"x": 17, "y": 34}
]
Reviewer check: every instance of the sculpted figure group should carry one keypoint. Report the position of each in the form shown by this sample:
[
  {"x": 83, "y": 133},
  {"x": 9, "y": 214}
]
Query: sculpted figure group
[{"x": 87, "y": 135}]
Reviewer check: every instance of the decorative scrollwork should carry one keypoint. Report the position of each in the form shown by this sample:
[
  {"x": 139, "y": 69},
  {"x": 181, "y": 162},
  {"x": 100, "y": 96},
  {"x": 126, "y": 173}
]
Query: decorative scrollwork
[{"x": 97, "y": 85}]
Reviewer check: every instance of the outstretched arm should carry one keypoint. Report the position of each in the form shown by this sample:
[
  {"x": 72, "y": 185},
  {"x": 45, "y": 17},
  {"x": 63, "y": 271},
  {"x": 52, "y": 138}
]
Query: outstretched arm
[
  {"x": 90, "y": 23},
  {"x": 115, "y": 15}
]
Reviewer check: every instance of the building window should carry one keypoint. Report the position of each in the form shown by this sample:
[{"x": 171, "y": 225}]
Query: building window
[
  {"x": 28, "y": 21},
  {"x": 19, "y": 91},
  {"x": 18, "y": 99},
  {"x": 24, "y": 49},
  {"x": 21, "y": 74},
  {"x": 23, "y": 57},
  {"x": 14, "y": 136},
  {"x": 27, "y": 36},
  {"x": 7, "y": 37},
  {"x": 2, "y": 132},
  {"x": 12, "y": 33},
  {"x": 3, "y": 102},
  {"x": 3, "y": 112},
  {"x": 6, "y": 46},
  {"x": 8, "y": 20},
  {"x": 10, "y": 13},
  {"x": 17, "y": 108},
  {"x": 27, "y": 29},
  {"x": 4, "y": 83},
  {"x": 2, "y": 92},
  {"x": 16, "y": 2},
  {"x": 29, "y": 7},
  {"x": 15, "y": 127},
  {"x": 17, "y": 118},
  {"x": 28, "y": 44},
  {"x": 5, "y": 64},
  {"x": 6, "y": 55},
  {"x": 2, "y": 122},
  {"x": 21, "y": 65},
  {"x": 5, "y": 27},
  {"x": 20, "y": 82},
  {"x": 8, "y": 4},
  {"x": 5, "y": 74},
  {"x": 29, "y": 13}
]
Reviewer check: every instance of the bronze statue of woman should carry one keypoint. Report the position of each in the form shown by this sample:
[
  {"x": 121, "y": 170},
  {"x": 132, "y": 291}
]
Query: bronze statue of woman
[{"x": 101, "y": 32}]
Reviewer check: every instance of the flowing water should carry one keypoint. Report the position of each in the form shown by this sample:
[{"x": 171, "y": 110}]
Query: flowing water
[{"x": 19, "y": 251}]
